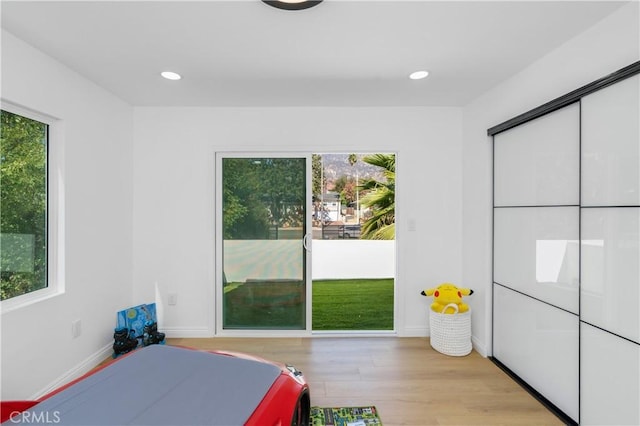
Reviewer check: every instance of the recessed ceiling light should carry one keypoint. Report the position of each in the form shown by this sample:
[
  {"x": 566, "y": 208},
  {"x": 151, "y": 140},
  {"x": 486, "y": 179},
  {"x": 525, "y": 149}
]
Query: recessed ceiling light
[
  {"x": 418, "y": 75},
  {"x": 169, "y": 75}
]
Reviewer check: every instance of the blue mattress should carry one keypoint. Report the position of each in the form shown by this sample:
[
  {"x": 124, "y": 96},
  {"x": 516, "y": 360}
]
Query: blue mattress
[{"x": 162, "y": 385}]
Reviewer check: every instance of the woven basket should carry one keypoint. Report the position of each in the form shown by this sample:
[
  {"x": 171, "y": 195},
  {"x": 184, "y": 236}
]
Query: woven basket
[{"x": 451, "y": 333}]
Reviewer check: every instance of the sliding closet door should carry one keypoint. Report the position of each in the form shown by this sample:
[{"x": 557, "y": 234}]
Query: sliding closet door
[
  {"x": 566, "y": 276},
  {"x": 610, "y": 267},
  {"x": 536, "y": 254}
]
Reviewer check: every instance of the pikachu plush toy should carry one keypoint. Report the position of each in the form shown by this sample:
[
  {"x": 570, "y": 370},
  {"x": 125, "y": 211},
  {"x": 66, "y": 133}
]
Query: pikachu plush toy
[{"x": 446, "y": 297}]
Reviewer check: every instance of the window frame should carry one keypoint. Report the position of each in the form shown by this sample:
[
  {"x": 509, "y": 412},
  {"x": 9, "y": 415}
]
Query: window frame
[{"x": 54, "y": 211}]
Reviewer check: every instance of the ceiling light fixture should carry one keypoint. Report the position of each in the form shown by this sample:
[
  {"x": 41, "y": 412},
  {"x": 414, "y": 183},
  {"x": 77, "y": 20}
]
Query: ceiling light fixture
[
  {"x": 418, "y": 75},
  {"x": 293, "y": 4},
  {"x": 170, "y": 75}
]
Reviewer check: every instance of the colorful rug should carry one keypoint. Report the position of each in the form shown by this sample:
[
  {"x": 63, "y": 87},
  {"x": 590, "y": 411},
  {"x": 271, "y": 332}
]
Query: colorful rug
[{"x": 345, "y": 416}]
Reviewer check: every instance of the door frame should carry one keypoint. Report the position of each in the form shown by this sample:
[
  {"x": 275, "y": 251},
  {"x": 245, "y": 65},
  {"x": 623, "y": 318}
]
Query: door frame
[{"x": 218, "y": 242}]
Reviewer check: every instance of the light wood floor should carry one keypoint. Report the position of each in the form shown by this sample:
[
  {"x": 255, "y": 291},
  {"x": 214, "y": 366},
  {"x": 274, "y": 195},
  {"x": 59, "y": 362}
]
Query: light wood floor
[{"x": 408, "y": 381}]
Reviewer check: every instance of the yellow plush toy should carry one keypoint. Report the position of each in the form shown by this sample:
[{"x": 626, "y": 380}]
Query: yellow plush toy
[{"x": 447, "y": 294}]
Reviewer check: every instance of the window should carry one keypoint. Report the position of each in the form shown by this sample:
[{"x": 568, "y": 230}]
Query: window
[{"x": 23, "y": 205}]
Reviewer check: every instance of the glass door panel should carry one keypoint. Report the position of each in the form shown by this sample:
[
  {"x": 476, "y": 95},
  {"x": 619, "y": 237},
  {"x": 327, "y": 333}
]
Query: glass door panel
[{"x": 264, "y": 214}]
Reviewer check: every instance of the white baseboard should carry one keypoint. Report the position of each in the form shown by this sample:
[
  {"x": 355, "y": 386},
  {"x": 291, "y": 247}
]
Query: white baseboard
[
  {"x": 349, "y": 333},
  {"x": 479, "y": 346},
  {"x": 414, "y": 332},
  {"x": 77, "y": 371},
  {"x": 178, "y": 332}
]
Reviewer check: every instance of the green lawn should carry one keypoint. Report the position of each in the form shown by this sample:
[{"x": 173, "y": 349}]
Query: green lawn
[
  {"x": 269, "y": 305},
  {"x": 360, "y": 304}
]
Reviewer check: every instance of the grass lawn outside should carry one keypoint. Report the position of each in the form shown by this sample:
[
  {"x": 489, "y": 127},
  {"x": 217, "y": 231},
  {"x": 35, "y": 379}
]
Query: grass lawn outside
[
  {"x": 266, "y": 305},
  {"x": 337, "y": 305},
  {"x": 355, "y": 304}
]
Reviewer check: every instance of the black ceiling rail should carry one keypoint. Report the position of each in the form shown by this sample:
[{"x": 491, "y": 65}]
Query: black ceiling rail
[{"x": 567, "y": 99}]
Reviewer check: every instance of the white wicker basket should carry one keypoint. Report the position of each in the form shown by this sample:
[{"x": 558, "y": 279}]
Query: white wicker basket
[{"x": 451, "y": 333}]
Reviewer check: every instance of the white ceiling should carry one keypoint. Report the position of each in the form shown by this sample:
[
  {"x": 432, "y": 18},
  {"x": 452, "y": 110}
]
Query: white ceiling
[{"x": 340, "y": 53}]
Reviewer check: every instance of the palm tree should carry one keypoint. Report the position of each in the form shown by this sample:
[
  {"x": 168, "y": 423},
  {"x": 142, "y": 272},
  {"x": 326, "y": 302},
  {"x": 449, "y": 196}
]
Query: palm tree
[{"x": 381, "y": 199}]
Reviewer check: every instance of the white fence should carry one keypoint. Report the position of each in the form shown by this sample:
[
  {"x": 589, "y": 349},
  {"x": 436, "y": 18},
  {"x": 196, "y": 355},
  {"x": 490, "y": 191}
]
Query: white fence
[
  {"x": 336, "y": 259},
  {"x": 331, "y": 259}
]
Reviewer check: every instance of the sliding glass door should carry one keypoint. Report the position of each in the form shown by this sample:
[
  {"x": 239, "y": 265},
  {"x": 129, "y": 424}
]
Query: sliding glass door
[{"x": 262, "y": 224}]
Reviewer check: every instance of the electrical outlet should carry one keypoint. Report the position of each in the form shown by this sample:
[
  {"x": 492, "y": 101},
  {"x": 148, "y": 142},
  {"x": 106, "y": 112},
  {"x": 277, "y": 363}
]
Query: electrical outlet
[
  {"x": 172, "y": 299},
  {"x": 76, "y": 328}
]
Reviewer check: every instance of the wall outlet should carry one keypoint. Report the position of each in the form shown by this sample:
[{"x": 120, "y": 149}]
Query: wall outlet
[
  {"x": 172, "y": 299},
  {"x": 76, "y": 328}
]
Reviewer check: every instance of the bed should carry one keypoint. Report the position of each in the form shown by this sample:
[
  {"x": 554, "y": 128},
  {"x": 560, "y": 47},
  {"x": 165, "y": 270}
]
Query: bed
[{"x": 169, "y": 385}]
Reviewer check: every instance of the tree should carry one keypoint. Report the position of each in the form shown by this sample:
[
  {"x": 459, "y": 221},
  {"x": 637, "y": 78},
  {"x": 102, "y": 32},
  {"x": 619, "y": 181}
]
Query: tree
[
  {"x": 380, "y": 198},
  {"x": 283, "y": 191},
  {"x": 317, "y": 176},
  {"x": 242, "y": 215},
  {"x": 23, "y": 204},
  {"x": 346, "y": 187},
  {"x": 340, "y": 183},
  {"x": 260, "y": 194},
  {"x": 348, "y": 193}
]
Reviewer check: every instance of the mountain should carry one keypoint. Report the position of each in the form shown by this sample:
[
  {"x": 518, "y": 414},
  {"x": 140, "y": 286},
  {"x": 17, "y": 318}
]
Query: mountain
[{"x": 337, "y": 165}]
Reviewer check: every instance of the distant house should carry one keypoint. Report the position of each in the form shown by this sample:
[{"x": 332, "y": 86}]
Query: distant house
[{"x": 331, "y": 207}]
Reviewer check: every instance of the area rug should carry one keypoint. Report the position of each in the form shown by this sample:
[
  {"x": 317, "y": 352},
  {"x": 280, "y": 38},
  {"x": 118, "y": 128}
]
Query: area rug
[{"x": 344, "y": 416}]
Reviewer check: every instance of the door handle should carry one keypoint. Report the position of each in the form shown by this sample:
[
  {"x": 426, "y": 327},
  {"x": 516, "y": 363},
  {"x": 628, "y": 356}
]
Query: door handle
[{"x": 306, "y": 242}]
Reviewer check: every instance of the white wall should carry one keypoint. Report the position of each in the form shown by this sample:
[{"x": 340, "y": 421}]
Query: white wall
[
  {"x": 174, "y": 187},
  {"x": 611, "y": 44},
  {"x": 38, "y": 352}
]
